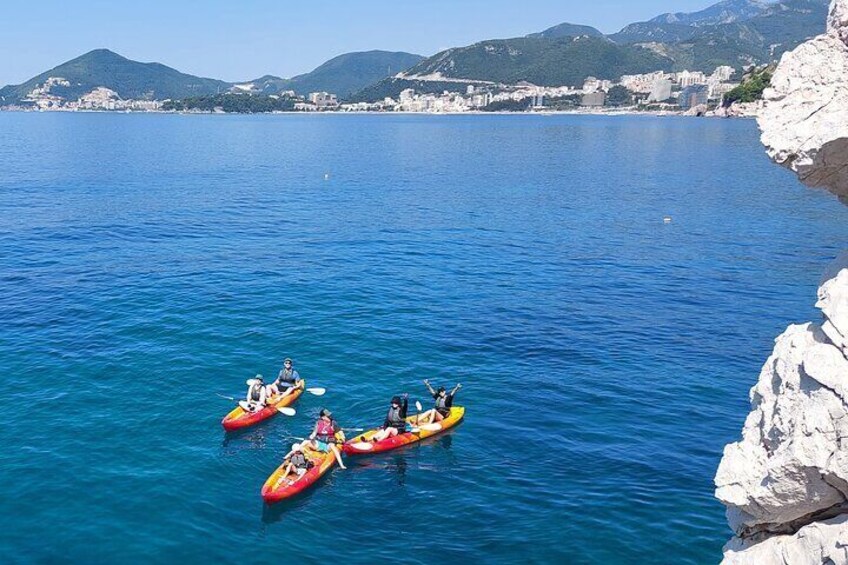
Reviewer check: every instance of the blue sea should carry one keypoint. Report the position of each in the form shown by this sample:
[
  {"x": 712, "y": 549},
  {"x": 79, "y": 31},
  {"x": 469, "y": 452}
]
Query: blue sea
[{"x": 149, "y": 263}]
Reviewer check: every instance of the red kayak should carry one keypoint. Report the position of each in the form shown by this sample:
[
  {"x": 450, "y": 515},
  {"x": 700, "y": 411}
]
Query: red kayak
[
  {"x": 362, "y": 443},
  {"x": 239, "y": 418},
  {"x": 280, "y": 486}
]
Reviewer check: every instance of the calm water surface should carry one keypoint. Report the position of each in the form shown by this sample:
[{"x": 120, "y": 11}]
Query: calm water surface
[{"x": 150, "y": 262}]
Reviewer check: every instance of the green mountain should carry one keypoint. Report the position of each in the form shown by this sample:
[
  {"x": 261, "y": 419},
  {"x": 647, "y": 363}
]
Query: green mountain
[
  {"x": 342, "y": 75},
  {"x": 348, "y": 73},
  {"x": 756, "y": 33},
  {"x": 567, "y": 30},
  {"x": 153, "y": 81},
  {"x": 546, "y": 62},
  {"x": 130, "y": 79}
]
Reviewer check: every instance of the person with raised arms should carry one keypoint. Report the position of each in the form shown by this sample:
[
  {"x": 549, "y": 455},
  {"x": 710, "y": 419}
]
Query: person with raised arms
[
  {"x": 395, "y": 422},
  {"x": 444, "y": 401},
  {"x": 327, "y": 434},
  {"x": 287, "y": 380},
  {"x": 256, "y": 395}
]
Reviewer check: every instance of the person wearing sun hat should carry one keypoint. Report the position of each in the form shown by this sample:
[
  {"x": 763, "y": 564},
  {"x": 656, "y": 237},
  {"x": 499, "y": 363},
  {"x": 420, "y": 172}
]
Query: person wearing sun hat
[
  {"x": 256, "y": 396},
  {"x": 298, "y": 462}
]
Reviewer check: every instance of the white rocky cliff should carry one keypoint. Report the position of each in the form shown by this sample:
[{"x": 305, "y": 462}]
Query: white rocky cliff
[
  {"x": 805, "y": 117},
  {"x": 785, "y": 484}
]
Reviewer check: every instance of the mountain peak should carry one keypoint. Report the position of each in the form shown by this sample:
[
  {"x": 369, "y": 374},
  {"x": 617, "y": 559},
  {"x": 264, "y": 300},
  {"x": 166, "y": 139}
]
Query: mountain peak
[{"x": 567, "y": 30}]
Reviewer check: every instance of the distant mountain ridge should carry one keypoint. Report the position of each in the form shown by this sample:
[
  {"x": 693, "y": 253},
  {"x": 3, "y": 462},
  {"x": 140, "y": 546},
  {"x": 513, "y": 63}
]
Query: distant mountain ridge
[
  {"x": 153, "y": 81},
  {"x": 725, "y": 12},
  {"x": 737, "y": 33}
]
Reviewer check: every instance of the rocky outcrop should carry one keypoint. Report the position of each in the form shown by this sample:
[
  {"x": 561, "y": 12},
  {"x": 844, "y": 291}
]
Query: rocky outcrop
[
  {"x": 785, "y": 484},
  {"x": 818, "y": 543},
  {"x": 805, "y": 118}
]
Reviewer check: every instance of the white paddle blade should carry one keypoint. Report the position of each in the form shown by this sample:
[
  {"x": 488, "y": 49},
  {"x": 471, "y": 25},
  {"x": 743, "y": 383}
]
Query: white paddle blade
[
  {"x": 418, "y": 406},
  {"x": 362, "y": 446},
  {"x": 317, "y": 391},
  {"x": 286, "y": 410}
]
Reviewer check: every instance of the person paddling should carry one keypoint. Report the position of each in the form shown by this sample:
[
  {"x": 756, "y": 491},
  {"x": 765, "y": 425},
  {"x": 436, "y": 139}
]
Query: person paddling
[
  {"x": 256, "y": 396},
  {"x": 395, "y": 422},
  {"x": 444, "y": 401},
  {"x": 327, "y": 434},
  {"x": 298, "y": 463},
  {"x": 287, "y": 380}
]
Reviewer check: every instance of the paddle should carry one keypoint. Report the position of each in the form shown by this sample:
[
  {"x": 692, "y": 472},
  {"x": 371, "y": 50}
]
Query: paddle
[
  {"x": 317, "y": 391},
  {"x": 419, "y": 408},
  {"x": 286, "y": 410}
]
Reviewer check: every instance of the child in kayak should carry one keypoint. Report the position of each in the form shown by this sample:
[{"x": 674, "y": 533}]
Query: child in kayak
[
  {"x": 395, "y": 422},
  {"x": 298, "y": 463},
  {"x": 444, "y": 401},
  {"x": 256, "y": 396},
  {"x": 326, "y": 435},
  {"x": 287, "y": 380}
]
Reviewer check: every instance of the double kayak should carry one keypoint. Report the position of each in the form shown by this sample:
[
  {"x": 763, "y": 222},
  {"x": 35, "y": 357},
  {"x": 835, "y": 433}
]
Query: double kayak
[
  {"x": 362, "y": 444},
  {"x": 280, "y": 485},
  {"x": 240, "y": 418}
]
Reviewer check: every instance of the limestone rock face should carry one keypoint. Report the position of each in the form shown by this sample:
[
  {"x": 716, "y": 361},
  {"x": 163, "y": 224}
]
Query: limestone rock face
[
  {"x": 805, "y": 117},
  {"x": 791, "y": 468},
  {"x": 785, "y": 484}
]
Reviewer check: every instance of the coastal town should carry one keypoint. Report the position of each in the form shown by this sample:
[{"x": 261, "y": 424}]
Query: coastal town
[{"x": 691, "y": 92}]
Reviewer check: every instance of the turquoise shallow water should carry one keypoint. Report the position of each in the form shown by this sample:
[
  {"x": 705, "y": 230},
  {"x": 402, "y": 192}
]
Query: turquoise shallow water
[{"x": 150, "y": 262}]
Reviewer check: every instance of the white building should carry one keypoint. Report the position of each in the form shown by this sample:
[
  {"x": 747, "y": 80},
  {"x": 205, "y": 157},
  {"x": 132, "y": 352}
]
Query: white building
[
  {"x": 660, "y": 91},
  {"x": 723, "y": 73},
  {"x": 323, "y": 100},
  {"x": 687, "y": 78}
]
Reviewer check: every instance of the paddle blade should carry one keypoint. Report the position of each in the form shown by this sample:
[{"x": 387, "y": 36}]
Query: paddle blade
[
  {"x": 362, "y": 446},
  {"x": 317, "y": 391},
  {"x": 418, "y": 406},
  {"x": 286, "y": 410}
]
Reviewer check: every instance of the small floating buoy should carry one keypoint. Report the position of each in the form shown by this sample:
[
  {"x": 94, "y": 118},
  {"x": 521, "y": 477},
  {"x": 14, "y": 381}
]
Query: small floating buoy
[
  {"x": 667, "y": 220},
  {"x": 326, "y": 176}
]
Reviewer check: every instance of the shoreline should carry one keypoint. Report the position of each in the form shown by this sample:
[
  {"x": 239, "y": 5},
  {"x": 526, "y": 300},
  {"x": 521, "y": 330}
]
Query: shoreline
[{"x": 611, "y": 113}]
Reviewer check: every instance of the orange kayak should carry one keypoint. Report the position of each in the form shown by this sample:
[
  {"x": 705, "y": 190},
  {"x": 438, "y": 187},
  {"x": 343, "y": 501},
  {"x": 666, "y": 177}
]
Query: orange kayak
[
  {"x": 280, "y": 486},
  {"x": 361, "y": 444},
  {"x": 239, "y": 418}
]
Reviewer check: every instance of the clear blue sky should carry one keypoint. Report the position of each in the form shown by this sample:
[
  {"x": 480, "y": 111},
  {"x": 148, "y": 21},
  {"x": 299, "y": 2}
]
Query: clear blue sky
[{"x": 238, "y": 40}]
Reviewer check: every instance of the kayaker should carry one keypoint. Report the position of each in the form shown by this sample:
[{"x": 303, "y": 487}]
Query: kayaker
[
  {"x": 287, "y": 380},
  {"x": 327, "y": 434},
  {"x": 298, "y": 463},
  {"x": 256, "y": 396},
  {"x": 395, "y": 419},
  {"x": 444, "y": 401}
]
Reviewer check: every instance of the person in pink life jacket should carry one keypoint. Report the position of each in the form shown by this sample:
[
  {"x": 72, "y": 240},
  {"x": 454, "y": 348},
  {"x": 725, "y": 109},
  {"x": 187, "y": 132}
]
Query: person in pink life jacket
[{"x": 327, "y": 434}]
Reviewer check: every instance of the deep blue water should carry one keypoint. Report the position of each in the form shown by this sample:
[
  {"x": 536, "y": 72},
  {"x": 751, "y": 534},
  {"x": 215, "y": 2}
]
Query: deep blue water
[{"x": 150, "y": 262}]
